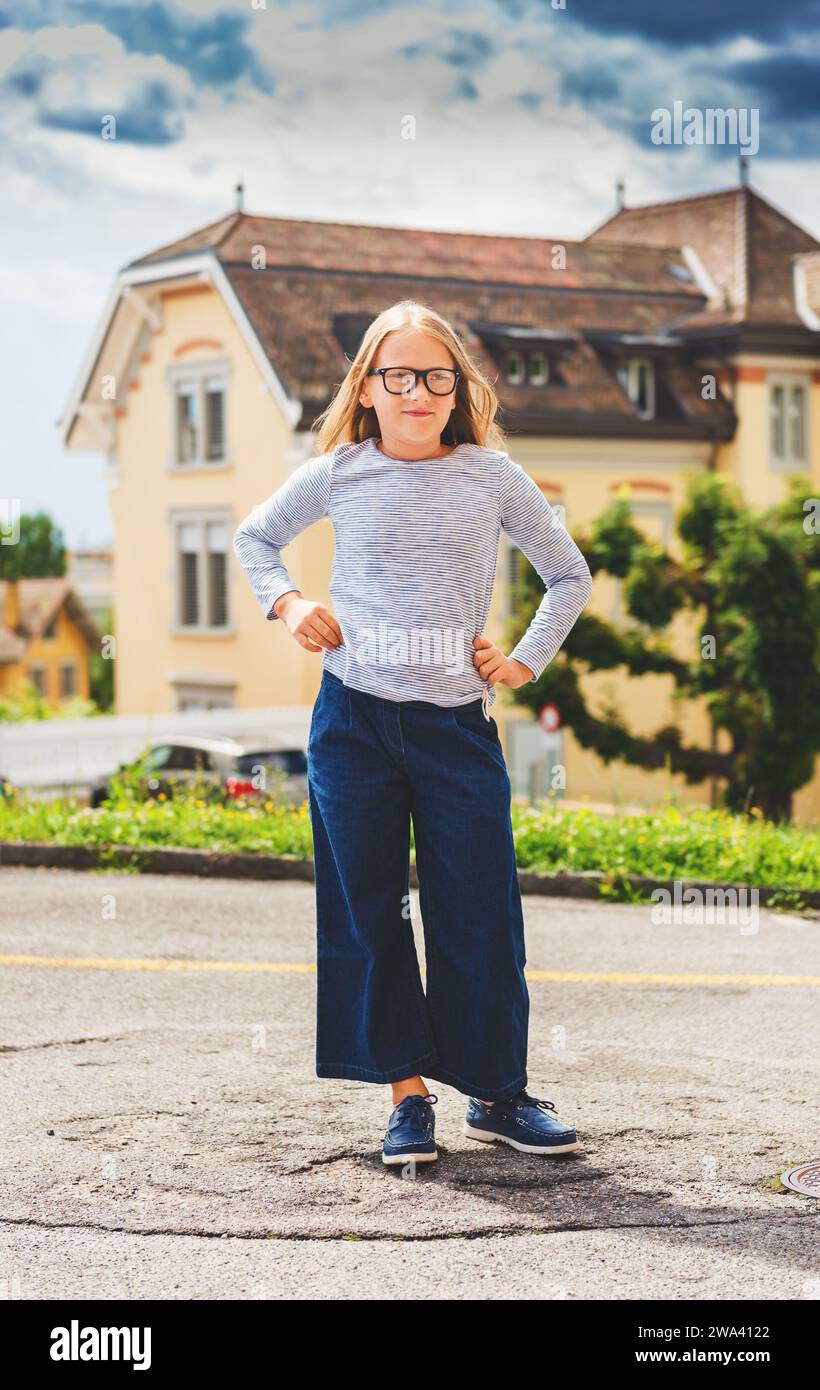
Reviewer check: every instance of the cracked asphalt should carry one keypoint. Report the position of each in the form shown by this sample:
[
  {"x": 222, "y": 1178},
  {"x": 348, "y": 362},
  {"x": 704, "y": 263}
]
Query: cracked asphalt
[{"x": 164, "y": 1135}]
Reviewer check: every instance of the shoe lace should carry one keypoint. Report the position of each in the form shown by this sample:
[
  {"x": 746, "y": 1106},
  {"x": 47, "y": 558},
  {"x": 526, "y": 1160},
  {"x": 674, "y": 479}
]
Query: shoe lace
[
  {"x": 524, "y": 1098},
  {"x": 414, "y": 1101}
]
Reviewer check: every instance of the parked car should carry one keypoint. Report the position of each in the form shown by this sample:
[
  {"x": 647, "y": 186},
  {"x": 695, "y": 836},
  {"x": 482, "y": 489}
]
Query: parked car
[{"x": 228, "y": 768}]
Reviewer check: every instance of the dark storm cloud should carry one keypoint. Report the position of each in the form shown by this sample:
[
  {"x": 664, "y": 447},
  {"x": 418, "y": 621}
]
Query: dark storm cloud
[
  {"x": 695, "y": 24},
  {"x": 787, "y": 87}
]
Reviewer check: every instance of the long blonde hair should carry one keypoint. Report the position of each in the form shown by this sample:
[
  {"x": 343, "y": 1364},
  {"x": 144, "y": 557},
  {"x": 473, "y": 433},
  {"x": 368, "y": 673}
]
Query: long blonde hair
[{"x": 347, "y": 421}]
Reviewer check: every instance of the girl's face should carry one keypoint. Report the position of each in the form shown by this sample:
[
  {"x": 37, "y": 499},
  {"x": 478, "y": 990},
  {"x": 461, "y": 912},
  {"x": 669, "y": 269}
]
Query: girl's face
[{"x": 415, "y": 418}]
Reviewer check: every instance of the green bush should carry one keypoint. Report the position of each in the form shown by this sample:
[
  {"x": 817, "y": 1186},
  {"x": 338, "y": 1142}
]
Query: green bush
[{"x": 667, "y": 843}]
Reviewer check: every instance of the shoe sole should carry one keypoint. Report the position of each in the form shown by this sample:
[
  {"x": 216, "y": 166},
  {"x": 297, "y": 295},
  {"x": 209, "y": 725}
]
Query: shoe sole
[
  {"x": 405, "y": 1158},
  {"x": 487, "y": 1138}
]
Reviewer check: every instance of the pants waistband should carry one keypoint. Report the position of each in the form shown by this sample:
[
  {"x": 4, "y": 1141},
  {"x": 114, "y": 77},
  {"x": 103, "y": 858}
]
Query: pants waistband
[{"x": 481, "y": 700}]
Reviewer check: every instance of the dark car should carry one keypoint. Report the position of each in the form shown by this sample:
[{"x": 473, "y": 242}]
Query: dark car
[{"x": 227, "y": 768}]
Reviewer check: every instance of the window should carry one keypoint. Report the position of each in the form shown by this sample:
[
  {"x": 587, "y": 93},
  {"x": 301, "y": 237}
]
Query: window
[
  {"x": 68, "y": 680},
  {"x": 201, "y": 549},
  {"x": 637, "y": 376},
  {"x": 526, "y": 367},
  {"x": 37, "y": 676},
  {"x": 199, "y": 394},
  {"x": 157, "y": 758},
  {"x": 291, "y": 761},
  {"x": 788, "y": 421},
  {"x": 187, "y": 423},
  {"x": 349, "y": 330},
  {"x": 184, "y": 758},
  {"x": 203, "y": 697}
]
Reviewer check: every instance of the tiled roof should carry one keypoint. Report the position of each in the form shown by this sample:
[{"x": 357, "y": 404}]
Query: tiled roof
[
  {"x": 362, "y": 250},
  {"x": 744, "y": 242},
  {"x": 322, "y": 282},
  {"x": 40, "y": 599}
]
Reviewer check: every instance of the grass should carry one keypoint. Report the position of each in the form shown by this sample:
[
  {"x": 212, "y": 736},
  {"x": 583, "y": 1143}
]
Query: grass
[{"x": 668, "y": 843}]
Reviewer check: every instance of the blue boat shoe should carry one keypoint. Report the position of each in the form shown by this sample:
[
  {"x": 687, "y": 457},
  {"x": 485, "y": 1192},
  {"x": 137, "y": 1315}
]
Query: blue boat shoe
[
  {"x": 411, "y": 1131},
  {"x": 522, "y": 1121}
]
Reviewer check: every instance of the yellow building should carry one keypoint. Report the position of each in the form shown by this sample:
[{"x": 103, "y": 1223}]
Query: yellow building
[
  {"x": 215, "y": 355},
  {"x": 47, "y": 638}
]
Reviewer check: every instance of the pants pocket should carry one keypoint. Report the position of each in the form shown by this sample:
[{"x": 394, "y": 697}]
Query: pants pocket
[{"x": 472, "y": 721}]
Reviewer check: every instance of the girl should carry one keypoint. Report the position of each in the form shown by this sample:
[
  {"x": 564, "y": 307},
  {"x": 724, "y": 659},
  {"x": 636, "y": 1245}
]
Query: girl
[{"x": 412, "y": 472}]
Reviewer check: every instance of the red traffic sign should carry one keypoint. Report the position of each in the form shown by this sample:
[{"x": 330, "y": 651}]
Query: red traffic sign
[{"x": 549, "y": 719}]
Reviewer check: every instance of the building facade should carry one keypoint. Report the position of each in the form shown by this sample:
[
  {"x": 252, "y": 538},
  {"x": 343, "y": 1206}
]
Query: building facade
[{"x": 215, "y": 355}]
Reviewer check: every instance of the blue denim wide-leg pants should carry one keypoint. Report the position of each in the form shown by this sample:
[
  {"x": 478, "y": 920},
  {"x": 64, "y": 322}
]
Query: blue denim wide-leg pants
[{"x": 374, "y": 763}]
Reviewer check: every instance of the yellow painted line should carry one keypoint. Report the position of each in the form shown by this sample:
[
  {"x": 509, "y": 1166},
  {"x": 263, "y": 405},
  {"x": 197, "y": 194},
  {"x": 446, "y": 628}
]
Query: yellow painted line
[
  {"x": 308, "y": 967},
  {"x": 634, "y": 978},
  {"x": 92, "y": 963}
]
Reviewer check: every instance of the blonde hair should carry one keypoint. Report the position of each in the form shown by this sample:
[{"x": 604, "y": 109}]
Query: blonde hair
[{"x": 347, "y": 421}]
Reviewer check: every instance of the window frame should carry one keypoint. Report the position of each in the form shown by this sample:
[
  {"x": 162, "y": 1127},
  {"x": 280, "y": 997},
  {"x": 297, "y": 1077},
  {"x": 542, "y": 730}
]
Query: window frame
[
  {"x": 525, "y": 356},
  {"x": 788, "y": 462},
  {"x": 198, "y": 374},
  {"x": 629, "y": 368},
  {"x": 38, "y": 675},
  {"x": 65, "y": 667},
  {"x": 201, "y": 517}
]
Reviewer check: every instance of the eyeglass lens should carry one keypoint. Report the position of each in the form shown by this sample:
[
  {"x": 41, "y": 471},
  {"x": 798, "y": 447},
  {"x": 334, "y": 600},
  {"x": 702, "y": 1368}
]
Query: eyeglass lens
[{"x": 439, "y": 381}]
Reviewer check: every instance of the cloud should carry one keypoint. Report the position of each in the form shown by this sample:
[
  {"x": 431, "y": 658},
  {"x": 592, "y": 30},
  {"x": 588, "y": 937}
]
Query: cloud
[
  {"x": 592, "y": 85},
  {"x": 149, "y": 115},
  {"x": 698, "y": 22},
  {"x": 213, "y": 48},
  {"x": 73, "y": 78},
  {"x": 788, "y": 83}
]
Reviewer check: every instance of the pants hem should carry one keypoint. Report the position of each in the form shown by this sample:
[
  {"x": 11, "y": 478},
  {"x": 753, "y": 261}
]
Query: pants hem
[
  {"x": 426, "y": 1064},
  {"x": 481, "y": 1092},
  {"x": 347, "y": 1072}
]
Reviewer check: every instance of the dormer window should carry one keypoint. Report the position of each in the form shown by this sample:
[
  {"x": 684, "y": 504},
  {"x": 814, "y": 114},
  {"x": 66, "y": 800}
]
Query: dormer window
[
  {"x": 526, "y": 367},
  {"x": 637, "y": 376}
]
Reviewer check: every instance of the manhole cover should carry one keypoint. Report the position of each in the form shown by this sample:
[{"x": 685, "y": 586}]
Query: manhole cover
[{"x": 804, "y": 1178}]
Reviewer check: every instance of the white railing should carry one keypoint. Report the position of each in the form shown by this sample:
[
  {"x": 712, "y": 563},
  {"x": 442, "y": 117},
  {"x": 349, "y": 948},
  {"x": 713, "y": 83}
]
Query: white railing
[{"x": 69, "y": 754}]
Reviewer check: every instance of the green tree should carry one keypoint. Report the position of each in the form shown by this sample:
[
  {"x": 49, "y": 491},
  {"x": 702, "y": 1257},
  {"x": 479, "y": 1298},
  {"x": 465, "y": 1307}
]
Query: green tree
[
  {"x": 754, "y": 580},
  {"x": 39, "y": 552}
]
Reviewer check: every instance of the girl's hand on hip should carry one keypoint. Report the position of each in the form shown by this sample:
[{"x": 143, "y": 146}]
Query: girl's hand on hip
[
  {"x": 496, "y": 668},
  {"x": 314, "y": 626}
]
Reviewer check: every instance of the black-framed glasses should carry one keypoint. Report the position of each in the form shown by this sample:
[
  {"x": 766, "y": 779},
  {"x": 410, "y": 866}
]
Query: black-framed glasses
[{"x": 439, "y": 381}]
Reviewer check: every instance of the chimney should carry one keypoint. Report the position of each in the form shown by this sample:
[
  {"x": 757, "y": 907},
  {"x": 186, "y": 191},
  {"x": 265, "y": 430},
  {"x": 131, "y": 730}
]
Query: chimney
[
  {"x": 620, "y": 189},
  {"x": 12, "y": 613},
  {"x": 240, "y": 197}
]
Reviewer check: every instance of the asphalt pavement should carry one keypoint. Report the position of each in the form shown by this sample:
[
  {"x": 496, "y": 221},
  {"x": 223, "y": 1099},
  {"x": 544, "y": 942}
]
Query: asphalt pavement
[{"x": 164, "y": 1134}]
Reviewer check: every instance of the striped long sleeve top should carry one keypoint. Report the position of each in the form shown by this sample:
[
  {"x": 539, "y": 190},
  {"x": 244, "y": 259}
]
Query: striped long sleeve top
[{"x": 415, "y": 561}]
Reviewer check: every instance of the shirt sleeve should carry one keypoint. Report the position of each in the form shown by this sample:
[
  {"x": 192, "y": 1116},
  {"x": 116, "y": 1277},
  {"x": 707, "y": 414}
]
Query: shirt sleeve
[
  {"x": 529, "y": 521},
  {"x": 259, "y": 538}
]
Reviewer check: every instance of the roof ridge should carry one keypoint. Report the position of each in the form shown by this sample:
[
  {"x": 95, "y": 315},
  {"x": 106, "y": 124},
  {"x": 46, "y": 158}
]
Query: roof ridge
[{"x": 691, "y": 198}]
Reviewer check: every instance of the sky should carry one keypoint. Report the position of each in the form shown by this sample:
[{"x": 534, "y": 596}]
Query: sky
[{"x": 526, "y": 113}]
